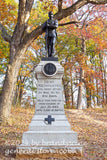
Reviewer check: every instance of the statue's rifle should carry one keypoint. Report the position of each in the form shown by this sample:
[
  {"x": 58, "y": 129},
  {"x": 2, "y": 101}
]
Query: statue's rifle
[{"x": 47, "y": 38}]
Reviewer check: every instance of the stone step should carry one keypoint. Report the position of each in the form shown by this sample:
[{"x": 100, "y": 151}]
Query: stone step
[
  {"x": 49, "y": 138},
  {"x": 60, "y": 123},
  {"x": 49, "y": 128}
]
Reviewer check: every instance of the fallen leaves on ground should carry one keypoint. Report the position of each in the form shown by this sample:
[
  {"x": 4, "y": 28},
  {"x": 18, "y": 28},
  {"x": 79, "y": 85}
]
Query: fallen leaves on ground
[{"x": 91, "y": 126}]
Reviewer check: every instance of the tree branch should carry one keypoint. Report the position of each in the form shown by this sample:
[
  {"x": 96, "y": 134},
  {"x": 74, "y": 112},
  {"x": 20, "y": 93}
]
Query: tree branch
[
  {"x": 97, "y": 1},
  {"x": 70, "y": 10},
  {"x": 80, "y": 3},
  {"x": 4, "y": 34},
  {"x": 29, "y": 4},
  {"x": 60, "y": 5},
  {"x": 30, "y": 37},
  {"x": 25, "y": 7},
  {"x": 90, "y": 10},
  {"x": 21, "y": 11}
]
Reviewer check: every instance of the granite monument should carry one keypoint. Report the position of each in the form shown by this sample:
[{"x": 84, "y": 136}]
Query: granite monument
[{"x": 49, "y": 128}]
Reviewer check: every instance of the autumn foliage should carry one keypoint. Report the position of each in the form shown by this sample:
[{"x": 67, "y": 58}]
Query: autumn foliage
[{"x": 81, "y": 49}]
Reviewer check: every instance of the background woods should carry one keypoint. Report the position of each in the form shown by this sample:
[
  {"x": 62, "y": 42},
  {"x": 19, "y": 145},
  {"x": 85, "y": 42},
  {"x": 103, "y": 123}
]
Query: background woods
[{"x": 81, "y": 48}]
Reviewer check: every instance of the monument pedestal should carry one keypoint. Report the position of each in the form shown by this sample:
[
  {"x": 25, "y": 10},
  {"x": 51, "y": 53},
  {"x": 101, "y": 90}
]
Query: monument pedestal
[{"x": 49, "y": 128}]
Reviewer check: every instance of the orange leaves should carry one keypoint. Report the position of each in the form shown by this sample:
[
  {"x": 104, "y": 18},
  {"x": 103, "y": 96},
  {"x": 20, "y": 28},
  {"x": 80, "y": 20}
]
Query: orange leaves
[
  {"x": 85, "y": 55},
  {"x": 97, "y": 28},
  {"x": 6, "y": 14},
  {"x": 36, "y": 46},
  {"x": 48, "y": 5},
  {"x": 91, "y": 86}
]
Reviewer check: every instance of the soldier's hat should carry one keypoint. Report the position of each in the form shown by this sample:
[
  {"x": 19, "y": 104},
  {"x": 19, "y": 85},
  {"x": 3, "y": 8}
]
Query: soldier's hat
[{"x": 50, "y": 13}]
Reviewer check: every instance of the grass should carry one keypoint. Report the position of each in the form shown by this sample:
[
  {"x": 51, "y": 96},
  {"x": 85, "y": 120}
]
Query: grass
[{"x": 91, "y": 126}]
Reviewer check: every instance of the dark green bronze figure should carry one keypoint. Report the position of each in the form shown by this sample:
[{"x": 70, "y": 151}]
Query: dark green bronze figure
[{"x": 50, "y": 36}]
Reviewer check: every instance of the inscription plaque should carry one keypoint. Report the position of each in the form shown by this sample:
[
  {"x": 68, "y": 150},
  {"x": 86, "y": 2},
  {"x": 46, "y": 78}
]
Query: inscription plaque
[{"x": 50, "y": 97}]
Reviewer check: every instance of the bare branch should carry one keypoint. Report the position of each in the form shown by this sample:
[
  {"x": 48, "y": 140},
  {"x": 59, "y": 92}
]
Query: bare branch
[
  {"x": 60, "y": 5},
  {"x": 80, "y": 3},
  {"x": 64, "y": 24},
  {"x": 90, "y": 10},
  {"x": 97, "y": 1},
  {"x": 4, "y": 34},
  {"x": 70, "y": 10}
]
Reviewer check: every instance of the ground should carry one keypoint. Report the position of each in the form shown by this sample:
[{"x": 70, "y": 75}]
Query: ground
[{"x": 91, "y": 126}]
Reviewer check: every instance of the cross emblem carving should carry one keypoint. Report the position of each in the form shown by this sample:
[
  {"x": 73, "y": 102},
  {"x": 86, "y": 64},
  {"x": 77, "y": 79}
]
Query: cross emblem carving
[{"x": 49, "y": 119}]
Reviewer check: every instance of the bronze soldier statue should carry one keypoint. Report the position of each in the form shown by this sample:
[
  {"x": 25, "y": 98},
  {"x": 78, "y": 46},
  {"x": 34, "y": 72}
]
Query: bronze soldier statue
[{"x": 50, "y": 36}]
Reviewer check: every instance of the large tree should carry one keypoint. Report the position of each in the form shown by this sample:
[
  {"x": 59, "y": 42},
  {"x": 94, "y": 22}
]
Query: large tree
[{"x": 20, "y": 41}]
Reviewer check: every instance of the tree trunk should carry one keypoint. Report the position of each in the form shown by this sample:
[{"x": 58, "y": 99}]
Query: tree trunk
[
  {"x": 80, "y": 90},
  {"x": 97, "y": 92},
  {"x": 105, "y": 86},
  {"x": 19, "y": 43},
  {"x": 88, "y": 98},
  {"x": 19, "y": 90},
  {"x": 66, "y": 92},
  {"x": 20, "y": 95},
  {"x": 72, "y": 94},
  {"x": 8, "y": 90},
  {"x": 79, "y": 99}
]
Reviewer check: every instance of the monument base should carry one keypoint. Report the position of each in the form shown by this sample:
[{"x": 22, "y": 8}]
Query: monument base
[
  {"x": 49, "y": 130},
  {"x": 45, "y": 138},
  {"x": 46, "y": 152}
]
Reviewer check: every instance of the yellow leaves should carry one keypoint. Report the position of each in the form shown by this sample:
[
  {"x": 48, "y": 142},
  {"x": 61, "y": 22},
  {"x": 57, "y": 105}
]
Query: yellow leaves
[
  {"x": 26, "y": 67},
  {"x": 4, "y": 130},
  {"x": 8, "y": 2},
  {"x": 39, "y": 13},
  {"x": 90, "y": 42},
  {"x": 96, "y": 29}
]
